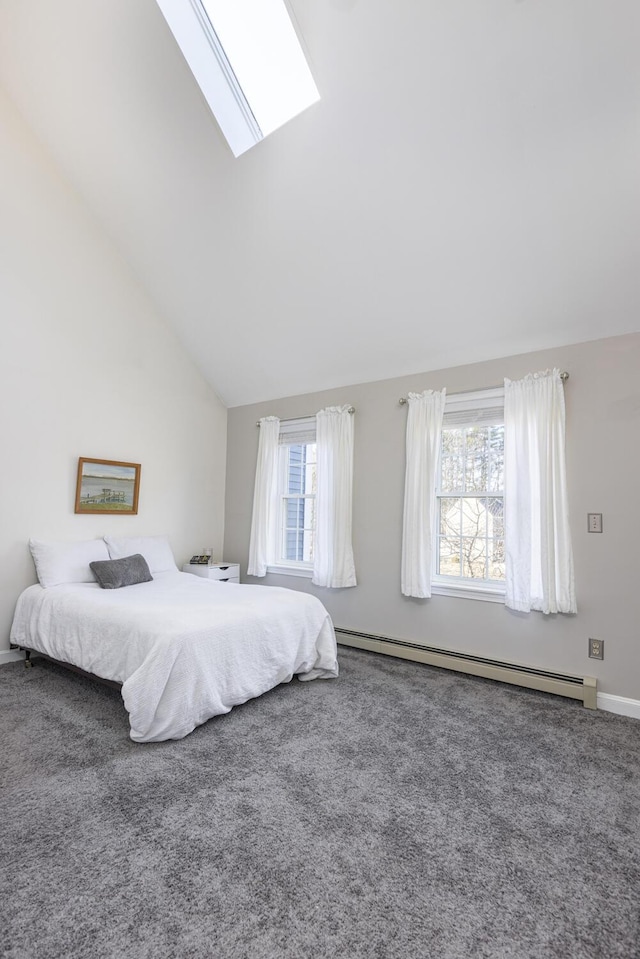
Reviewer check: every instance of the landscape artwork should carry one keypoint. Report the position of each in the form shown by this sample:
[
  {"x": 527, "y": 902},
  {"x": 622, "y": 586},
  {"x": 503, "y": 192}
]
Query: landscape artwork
[{"x": 107, "y": 486}]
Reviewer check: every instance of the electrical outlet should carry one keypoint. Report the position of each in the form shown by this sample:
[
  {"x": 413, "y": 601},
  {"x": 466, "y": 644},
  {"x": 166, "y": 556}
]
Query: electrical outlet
[
  {"x": 594, "y": 522},
  {"x": 596, "y": 648}
]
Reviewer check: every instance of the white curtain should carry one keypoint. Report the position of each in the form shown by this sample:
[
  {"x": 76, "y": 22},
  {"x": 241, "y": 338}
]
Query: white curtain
[
  {"x": 265, "y": 498},
  {"x": 333, "y": 564},
  {"x": 538, "y": 556},
  {"x": 424, "y": 432}
]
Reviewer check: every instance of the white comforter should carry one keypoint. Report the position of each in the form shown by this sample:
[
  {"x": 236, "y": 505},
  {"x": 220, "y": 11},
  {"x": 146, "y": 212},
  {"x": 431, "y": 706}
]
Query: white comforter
[{"x": 184, "y": 648}]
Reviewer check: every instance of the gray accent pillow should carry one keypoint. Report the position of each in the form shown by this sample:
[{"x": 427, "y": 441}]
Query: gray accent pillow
[{"x": 114, "y": 573}]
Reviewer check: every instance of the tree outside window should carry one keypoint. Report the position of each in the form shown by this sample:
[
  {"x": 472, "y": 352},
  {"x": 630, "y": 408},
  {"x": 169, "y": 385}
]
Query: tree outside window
[{"x": 470, "y": 540}]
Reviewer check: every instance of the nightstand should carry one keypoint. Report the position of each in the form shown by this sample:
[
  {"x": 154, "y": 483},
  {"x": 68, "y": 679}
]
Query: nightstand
[{"x": 223, "y": 572}]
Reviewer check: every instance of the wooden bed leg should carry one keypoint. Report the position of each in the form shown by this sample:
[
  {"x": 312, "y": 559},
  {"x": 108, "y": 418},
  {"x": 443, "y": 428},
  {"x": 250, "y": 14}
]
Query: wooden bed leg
[{"x": 27, "y": 659}]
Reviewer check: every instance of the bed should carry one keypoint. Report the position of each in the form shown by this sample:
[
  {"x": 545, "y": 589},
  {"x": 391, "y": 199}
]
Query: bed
[{"x": 183, "y": 648}]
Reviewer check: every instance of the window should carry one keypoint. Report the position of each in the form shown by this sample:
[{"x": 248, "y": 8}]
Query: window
[
  {"x": 248, "y": 62},
  {"x": 298, "y": 503},
  {"x": 469, "y": 543},
  {"x": 297, "y": 485}
]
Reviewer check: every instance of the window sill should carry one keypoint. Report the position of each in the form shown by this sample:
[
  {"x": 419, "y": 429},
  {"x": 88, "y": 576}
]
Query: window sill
[
  {"x": 485, "y": 594},
  {"x": 304, "y": 571}
]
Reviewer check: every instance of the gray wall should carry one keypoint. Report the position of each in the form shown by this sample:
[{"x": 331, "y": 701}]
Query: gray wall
[{"x": 603, "y": 462}]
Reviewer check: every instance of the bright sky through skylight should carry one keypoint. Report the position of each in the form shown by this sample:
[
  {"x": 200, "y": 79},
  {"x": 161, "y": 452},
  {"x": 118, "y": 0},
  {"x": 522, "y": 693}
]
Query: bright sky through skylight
[
  {"x": 265, "y": 54},
  {"x": 248, "y": 62}
]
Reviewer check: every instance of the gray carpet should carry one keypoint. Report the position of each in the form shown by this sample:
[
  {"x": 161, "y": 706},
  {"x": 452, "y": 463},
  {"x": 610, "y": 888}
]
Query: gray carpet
[{"x": 399, "y": 811}]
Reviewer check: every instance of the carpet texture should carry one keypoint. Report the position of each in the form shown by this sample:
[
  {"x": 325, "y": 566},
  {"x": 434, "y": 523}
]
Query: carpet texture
[{"x": 399, "y": 811}]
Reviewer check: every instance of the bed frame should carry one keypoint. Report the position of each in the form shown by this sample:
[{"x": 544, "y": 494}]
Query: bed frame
[{"x": 28, "y": 662}]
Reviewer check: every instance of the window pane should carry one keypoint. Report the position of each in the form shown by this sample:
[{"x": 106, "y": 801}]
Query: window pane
[
  {"x": 452, "y": 474},
  {"x": 301, "y": 468},
  {"x": 474, "y": 521},
  {"x": 495, "y": 475},
  {"x": 471, "y": 522},
  {"x": 298, "y": 530},
  {"x": 309, "y": 513},
  {"x": 496, "y": 559},
  {"x": 450, "y": 516},
  {"x": 295, "y": 468},
  {"x": 298, "y": 505},
  {"x": 299, "y": 545},
  {"x": 293, "y": 513},
  {"x": 310, "y": 483},
  {"x": 476, "y": 459},
  {"x": 449, "y": 556},
  {"x": 451, "y": 462},
  {"x": 265, "y": 56},
  {"x": 452, "y": 442},
  {"x": 293, "y": 545},
  {"x": 307, "y": 545},
  {"x": 495, "y": 517},
  {"x": 474, "y": 557}
]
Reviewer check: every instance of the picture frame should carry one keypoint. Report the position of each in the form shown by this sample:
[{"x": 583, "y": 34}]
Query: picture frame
[{"x": 107, "y": 486}]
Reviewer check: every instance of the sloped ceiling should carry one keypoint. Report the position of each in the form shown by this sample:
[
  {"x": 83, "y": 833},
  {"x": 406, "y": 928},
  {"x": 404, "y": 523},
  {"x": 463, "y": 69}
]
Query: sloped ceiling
[{"x": 468, "y": 187}]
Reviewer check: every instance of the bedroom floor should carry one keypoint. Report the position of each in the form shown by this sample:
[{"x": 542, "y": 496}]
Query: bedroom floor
[{"x": 399, "y": 811}]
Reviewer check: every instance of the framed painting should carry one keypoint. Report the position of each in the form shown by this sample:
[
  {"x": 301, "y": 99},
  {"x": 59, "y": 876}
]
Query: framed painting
[{"x": 107, "y": 486}]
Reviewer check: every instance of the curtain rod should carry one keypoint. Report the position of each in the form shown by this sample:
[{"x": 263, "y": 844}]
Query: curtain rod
[
  {"x": 403, "y": 399},
  {"x": 351, "y": 409}
]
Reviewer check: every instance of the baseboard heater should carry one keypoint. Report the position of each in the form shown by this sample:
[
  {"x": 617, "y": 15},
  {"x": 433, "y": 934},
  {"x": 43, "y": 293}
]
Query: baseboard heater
[{"x": 575, "y": 687}]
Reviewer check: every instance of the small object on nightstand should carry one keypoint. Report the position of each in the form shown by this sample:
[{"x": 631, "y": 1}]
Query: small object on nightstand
[{"x": 202, "y": 560}]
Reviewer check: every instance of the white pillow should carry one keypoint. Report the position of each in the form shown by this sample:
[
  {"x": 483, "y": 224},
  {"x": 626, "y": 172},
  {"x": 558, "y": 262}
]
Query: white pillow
[
  {"x": 58, "y": 563},
  {"x": 155, "y": 549}
]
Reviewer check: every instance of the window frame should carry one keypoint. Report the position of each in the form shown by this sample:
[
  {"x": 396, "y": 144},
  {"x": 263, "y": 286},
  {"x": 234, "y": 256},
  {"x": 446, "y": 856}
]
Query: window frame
[
  {"x": 290, "y": 428},
  {"x": 270, "y": 42},
  {"x": 491, "y": 591}
]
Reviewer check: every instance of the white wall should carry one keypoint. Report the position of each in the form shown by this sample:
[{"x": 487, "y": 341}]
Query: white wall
[
  {"x": 603, "y": 454},
  {"x": 88, "y": 367}
]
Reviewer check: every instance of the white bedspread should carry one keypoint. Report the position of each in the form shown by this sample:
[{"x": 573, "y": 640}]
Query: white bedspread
[{"x": 184, "y": 648}]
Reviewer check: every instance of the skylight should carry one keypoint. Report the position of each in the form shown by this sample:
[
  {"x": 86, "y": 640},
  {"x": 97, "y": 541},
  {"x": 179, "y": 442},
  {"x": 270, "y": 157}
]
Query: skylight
[{"x": 248, "y": 62}]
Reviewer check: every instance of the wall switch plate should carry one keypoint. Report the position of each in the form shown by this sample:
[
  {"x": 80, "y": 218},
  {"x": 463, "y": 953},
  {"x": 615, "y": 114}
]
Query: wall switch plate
[
  {"x": 596, "y": 648},
  {"x": 594, "y": 522}
]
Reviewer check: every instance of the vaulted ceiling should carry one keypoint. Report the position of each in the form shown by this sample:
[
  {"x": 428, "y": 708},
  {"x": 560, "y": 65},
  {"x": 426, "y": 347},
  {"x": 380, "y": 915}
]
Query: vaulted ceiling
[{"x": 468, "y": 186}]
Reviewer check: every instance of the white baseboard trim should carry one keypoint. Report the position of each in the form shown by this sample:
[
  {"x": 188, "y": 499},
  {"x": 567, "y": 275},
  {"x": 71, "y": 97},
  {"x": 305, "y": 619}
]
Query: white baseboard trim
[
  {"x": 10, "y": 656},
  {"x": 619, "y": 704}
]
